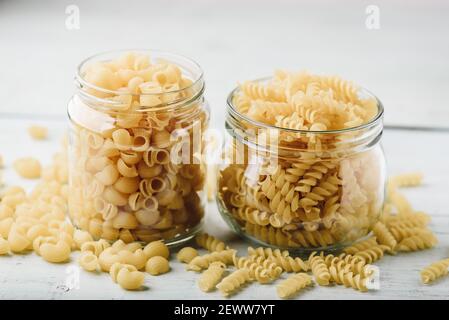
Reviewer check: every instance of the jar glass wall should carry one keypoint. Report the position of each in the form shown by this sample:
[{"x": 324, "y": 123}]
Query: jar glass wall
[
  {"x": 301, "y": 190},
  {"x": 135, "y": 153}
]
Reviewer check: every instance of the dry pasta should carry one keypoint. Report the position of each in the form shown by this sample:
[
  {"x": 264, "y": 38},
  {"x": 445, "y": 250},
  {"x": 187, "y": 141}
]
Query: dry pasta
[
  {"x": 4, "y": 246},
  {"x": 315, "y": 190},
  {"x": 187, "y": 254},
  {"x": 212, "y": 276},
  {"x": 233, "y": 282},
  {"x": 29, "y": 167},
  {"x": 38, "y": 132},
  {"x": 157, "y": 265},
  {"x": 88, "y": 261},
  {"x": 202, "y": 262},
  {"x": 293, "y": 284},
  {"x": 156, "y": 248},
  {"x": 434, "y": 271},
  {"x": 210, "y": 243},
  {"x": 124, "y": 182}
]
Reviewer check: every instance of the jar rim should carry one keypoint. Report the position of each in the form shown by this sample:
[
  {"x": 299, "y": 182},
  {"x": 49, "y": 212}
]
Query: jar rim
[
  {"x": 375, "y": 120},
  {"x": 159, "y": 53}
]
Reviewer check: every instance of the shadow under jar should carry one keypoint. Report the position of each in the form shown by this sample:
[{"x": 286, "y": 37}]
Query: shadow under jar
[
  {"x": 301, "y": 190},
  {"x": 135, "y": 153}
]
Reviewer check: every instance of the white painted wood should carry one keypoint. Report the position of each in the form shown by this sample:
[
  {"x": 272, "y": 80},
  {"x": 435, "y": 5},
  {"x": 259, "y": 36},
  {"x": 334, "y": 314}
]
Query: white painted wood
[
  {"x": 404, "y": 62},
  {"x": 29, "y": 277}
]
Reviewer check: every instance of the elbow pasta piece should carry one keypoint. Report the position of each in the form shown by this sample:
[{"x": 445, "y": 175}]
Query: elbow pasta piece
[
  {"x": 210, "y": 243},
  {"x": 293, "y": 284},
  {"x": 29, "y": 168},
  {"x": 202, "y": 262},
  {"x": 55, "y": 252},
  {"x": 319, "y": 269},
  {"x": 38, "y": 132},
  {"x": 156, "y": 249},
  {"x": 435, "y": 271},
  {"x": 4, "y": 246},
  {"x": 186, "y": 254},
  {"x": 5, "y": 226},
  {"x": 88, "y": 261},
  {"x": 212, "y": 276},
  {"x": 234, "y": 281},
  {"x": 157, "y": 265}
]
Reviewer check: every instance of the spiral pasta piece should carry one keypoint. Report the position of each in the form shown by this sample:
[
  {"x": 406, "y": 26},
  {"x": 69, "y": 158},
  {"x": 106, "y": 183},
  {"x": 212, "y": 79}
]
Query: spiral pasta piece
[
  {"x": 202, "y": 262},
  {"x": 319, "y": 269},
  {"x": 212, "y": 276},
  {"x": 210, "y": 243},
  {"x": 267, "y": 252},
  {"x": 293, "y": 284},
  {"x": 234, "y": 281},
  {"x": 384, "y": 236},
  {"x": 417, "y": 242},
  {"x": 290, "y": 264},
  {"x": 360, "y": 246},
  {"x": 435, "y": 271},
  {"x": 348, "y": 279},
  {"x": 373, "y": 253}
]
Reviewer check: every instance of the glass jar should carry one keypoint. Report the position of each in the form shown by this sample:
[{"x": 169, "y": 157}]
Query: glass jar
[
  {"x": 301, "y": 190},
  {"x": 135, "y": 159}
]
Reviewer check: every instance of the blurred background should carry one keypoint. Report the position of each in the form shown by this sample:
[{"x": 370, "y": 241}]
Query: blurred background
[{"x": 402, "y": 56}]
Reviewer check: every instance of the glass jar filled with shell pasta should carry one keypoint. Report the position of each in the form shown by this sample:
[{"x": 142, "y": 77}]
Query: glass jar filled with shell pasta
[
  {"x": 303, "y": 165},
  {"x": 136, "y": 170}
]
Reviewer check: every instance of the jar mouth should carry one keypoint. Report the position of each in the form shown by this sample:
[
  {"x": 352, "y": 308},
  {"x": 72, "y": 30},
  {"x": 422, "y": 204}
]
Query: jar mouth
[
  {"x": 189, "y": 67},
  {"x": 234, "y": 112}
]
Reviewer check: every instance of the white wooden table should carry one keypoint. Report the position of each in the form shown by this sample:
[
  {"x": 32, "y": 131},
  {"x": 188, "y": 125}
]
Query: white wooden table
[{"x": 30, "y": 277}]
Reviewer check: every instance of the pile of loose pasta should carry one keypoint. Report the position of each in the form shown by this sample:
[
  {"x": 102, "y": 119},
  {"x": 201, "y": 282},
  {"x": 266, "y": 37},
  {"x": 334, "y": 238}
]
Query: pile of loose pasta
[
  {"x": 37, "y": 221},
  {"x": 124, "y": 183},
  {"x": 315, "y": 188}
]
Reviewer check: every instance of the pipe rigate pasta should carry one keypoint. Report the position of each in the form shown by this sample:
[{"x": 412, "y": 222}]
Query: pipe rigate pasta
[
  {"x": 38, "y": 132},
  {"x": 293, "y": 284},
  {"x": 186, "y": 254},
  {"x": 435, "y": 271},
  {"x": 157, "y": 265},
  {"x": 127, "y": 276},
  {"x": 55, "y": 252},
  {"x": 212, "y": 276},
  {"x": 156, "y": 248},
  {"x": 210, "y": 243},
  {"x": 88, "y": 261},
  {"x": 28, "y": 167},
  {"x": 234, "y": 281}
]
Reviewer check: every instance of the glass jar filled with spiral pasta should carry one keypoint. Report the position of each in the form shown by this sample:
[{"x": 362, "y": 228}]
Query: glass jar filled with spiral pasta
[
  {"x": 304, "y": 168},
  {"x": 135, "y": 156}
]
